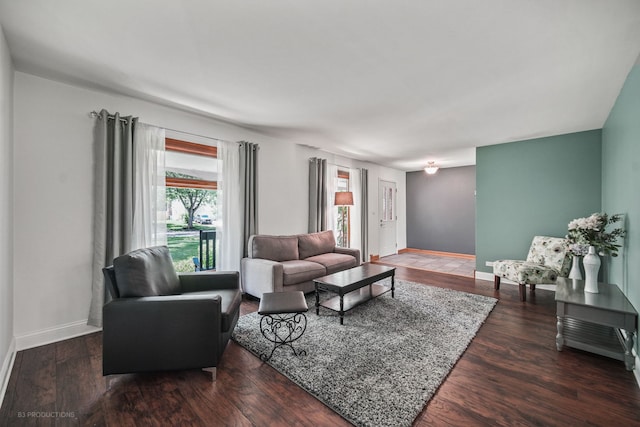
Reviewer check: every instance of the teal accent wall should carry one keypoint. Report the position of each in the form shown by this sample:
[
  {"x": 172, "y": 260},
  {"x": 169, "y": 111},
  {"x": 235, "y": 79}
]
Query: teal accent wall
[
  {"x": 621, "y": 183},
  {"x": 533, "y": 187}
]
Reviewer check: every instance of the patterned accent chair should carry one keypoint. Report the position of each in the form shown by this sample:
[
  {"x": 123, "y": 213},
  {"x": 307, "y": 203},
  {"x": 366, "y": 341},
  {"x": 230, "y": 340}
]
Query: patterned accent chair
[{"x": 548, "y": 259}]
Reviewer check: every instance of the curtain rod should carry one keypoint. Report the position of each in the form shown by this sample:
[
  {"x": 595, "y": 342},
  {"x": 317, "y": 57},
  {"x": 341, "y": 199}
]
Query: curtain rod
[
  {"x": 333, "y": 164},
  {"x": 342, "y": 166},
  {"x": 94, "y": 114}
]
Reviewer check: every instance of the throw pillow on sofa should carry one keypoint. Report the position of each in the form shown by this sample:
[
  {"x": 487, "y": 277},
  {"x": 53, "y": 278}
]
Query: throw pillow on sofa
[
  {"x": 315, "y": 244},
  {"x": 274, "y": 248}
]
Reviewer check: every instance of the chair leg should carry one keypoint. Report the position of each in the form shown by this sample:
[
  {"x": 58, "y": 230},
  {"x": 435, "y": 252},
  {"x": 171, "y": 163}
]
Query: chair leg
[
  {"x": 532, "y": 286},
  {"x": 522, "y": 288},
  {"x": 496, "y": 282},
  {"x": 212, "y": 371}
]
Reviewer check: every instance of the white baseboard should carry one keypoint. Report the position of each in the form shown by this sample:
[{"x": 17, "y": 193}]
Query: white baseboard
[
  {"x": 54, "y": 334},
  {"x": 489, "y": 277},
  {"x": 5, "y": 370},
  {"x": 481, "y": 275}
]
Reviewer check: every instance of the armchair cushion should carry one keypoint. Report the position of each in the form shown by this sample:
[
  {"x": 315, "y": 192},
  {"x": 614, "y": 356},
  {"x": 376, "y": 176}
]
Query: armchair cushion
[
  {"x": 274, "y": 248},
  {"x": 525, "y": 272},
  {"x": 316, "y": 243},
  {"x": 146, "y": 272}
]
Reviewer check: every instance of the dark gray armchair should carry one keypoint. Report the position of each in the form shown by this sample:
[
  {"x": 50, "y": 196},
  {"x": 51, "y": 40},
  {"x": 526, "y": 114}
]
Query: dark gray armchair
[{"x": 158, "y": 320}]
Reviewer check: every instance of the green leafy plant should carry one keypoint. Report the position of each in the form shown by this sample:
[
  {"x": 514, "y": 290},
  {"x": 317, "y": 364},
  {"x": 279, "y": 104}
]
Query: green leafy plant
[{"x": 591, "y": 231}]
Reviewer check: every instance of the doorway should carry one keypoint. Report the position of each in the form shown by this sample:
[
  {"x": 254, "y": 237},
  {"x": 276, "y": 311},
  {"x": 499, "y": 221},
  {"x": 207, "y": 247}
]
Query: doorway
[{"x": 388, "y": 218}]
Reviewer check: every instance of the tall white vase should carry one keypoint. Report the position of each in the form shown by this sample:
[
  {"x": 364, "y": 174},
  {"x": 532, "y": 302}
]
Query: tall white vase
[
  {"x": 591, "y": 263},
  {"x": 575, "y": 272}
]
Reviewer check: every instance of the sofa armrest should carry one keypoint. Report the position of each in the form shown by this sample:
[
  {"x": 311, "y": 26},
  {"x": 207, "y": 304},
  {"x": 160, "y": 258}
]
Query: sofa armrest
[
  {"x": 349, "y": 251},
  {"x": 209, "y": 280},
  {"x": 260, "y": 276}
]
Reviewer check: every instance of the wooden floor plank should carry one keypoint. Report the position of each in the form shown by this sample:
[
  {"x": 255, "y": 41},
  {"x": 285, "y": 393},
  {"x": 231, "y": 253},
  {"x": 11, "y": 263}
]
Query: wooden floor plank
[
  {"x": 79, "y": 390},
  {"x": 209, "y": 400},
  {"x": 7, "y": 404},
  {"x": 510, "y": 375},
  {"x": 36, "y": 385},
  {"x": 71, "y": 349}
]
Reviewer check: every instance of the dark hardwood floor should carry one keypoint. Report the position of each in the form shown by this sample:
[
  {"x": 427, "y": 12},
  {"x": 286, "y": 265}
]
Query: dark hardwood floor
[{"x": 510, "y": 375}]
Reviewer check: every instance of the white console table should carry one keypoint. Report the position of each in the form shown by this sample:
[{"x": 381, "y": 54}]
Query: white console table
[{"x": 594, "y": 322}]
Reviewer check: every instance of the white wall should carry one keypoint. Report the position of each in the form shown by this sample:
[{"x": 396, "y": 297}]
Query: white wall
[
  {"x": 285, "y": 166},
  {"x": 53, "y": 195},
  {"x": 6, "y": 213}
]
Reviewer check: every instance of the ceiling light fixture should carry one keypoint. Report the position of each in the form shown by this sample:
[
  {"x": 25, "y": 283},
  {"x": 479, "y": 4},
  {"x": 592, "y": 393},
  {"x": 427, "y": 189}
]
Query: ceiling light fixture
[{"x": 431, "y": 168}]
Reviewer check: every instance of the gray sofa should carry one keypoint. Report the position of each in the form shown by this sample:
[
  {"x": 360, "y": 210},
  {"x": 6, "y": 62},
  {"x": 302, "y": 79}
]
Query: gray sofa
[{"x": 290, "y": 263}]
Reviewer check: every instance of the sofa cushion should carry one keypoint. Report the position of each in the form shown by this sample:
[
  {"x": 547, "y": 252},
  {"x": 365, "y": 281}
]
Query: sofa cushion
[
  {"x": 299, "y": 271},
  {"x": 334, "y": 262},
  {"x": 230, "y": 300},
  {"x": 274, "y": 248},
  {"x": 315, "y": 244},
  {"x": 146, "y": 272}
]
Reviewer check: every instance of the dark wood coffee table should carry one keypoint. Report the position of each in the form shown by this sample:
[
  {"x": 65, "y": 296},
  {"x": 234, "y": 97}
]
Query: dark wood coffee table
[{"x": 354, "y": 287}]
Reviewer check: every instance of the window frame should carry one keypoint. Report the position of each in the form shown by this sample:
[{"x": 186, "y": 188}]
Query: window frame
[
  {"x": 186, "y": 147},
  {"x": 342, "y": 174}
]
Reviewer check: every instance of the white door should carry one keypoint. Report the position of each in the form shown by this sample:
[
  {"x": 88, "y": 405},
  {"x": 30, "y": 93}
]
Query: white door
[{"x": 388, "y": 217}]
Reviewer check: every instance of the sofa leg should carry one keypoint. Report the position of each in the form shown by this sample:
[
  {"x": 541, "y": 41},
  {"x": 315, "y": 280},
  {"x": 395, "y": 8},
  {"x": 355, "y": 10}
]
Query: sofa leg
[
  {"x": 522, "y": 288},
  {"x": 212, "y": 371},
  {"x": 496, "y": 282}
]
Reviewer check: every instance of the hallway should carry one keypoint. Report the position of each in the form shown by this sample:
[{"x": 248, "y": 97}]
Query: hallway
[{"x": 439, "y": 263}]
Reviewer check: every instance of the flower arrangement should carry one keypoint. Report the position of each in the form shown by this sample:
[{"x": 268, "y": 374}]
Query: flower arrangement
[{"x": 590, "y": 231}]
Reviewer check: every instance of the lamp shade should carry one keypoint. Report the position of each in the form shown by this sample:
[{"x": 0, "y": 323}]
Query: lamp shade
[{"x": 344, "y": 198}]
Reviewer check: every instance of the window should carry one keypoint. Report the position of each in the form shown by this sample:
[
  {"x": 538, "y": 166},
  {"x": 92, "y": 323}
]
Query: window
[
  {"x": 343, "y": 219},
  {"x": 387, "y": 204},
  {"x": 191, "y": 181}
]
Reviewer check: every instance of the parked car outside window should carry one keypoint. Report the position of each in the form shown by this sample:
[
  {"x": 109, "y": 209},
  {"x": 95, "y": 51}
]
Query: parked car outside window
[{"x": 203, "y": 219}]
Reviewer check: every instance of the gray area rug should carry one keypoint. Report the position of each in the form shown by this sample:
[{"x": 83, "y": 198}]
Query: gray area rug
[{"x": 387, "y": 360}]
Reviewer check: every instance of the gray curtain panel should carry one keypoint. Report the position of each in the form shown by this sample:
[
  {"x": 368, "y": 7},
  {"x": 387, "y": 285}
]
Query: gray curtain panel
[
  {"x": 113, "y": 199},
  {"x": 317, "y": 194},
  {"x": 249, "y": 188},
  {"x": 364, "y": 214}
]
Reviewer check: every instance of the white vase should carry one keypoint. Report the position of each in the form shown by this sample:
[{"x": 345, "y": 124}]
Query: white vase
[
  {"x": 575, "y": 272},
  {"x": 591, "y": 263}
]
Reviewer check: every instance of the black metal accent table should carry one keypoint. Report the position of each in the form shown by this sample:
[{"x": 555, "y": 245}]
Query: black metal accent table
[
  {"x": 351, "y": 287},
  {"x": 283, "y": 320},
  {"x": 593, "y": 322}
]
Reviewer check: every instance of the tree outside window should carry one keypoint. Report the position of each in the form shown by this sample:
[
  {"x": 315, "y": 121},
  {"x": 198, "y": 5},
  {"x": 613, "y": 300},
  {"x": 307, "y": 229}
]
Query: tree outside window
[{"x": 191, "y": 194}]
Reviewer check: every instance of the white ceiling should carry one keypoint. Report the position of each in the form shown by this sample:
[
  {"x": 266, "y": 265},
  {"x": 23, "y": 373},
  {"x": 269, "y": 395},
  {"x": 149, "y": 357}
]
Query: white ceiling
[{"x": 395, "y": 82}]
